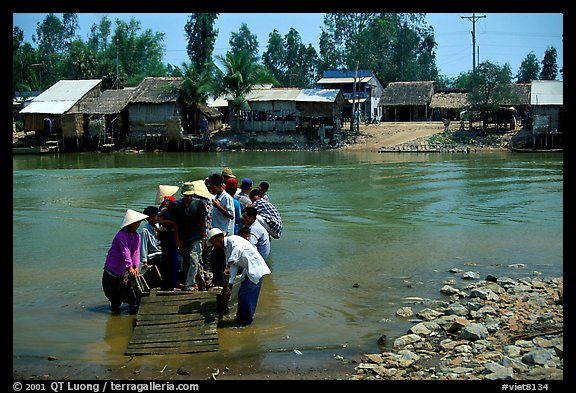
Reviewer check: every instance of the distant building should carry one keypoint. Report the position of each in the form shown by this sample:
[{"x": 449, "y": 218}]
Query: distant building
[
  {"x": 547, "y": 100},
  {"x": 59, "y": 110},
  {"x": 368, "y": 90},
  {"x": 407, "y": 101}
]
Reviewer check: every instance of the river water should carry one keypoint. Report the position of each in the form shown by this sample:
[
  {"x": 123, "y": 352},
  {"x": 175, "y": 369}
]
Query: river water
[{"x": 363, "y": 232}]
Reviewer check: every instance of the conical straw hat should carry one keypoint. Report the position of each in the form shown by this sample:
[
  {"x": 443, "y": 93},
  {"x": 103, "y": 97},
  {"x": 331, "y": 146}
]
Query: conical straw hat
[
  {"x": 131, "y": 217},
  {"x": 164, "y": 191},
  {"x": 200, "y": 189}
]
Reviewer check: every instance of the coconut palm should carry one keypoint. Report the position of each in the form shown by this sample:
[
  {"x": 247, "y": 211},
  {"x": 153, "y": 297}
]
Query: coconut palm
[
  {"x": 241, "y": 74},
  {"x": 195, "y": 87}
]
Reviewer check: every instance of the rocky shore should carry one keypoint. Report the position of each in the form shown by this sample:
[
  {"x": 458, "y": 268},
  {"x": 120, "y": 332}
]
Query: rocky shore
[{"x": 491, "y": 329}]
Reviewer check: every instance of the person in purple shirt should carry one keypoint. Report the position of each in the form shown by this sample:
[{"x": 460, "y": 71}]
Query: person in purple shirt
[{"x": 122, "y": 261}]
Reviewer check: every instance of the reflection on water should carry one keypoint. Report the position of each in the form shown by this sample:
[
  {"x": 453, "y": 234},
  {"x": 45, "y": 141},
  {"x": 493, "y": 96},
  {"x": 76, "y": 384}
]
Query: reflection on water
[{"x": 362, "y": 231}]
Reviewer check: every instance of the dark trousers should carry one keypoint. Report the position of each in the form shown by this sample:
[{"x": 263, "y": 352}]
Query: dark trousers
[
  {"x": 218, "y": 264},
  {"x": 119, "y": 292}
]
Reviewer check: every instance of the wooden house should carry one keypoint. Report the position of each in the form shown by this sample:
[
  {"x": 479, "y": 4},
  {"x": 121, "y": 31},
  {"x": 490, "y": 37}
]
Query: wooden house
[
  {"x": 547, "y": 110},
  {"x": 364, "y": 83},
  {"x": 286, "y": 109},
  {"x": 107, "y": 116},
  {"x": 155, "y": 109},
  {"x": 212, "y": 115},
  {"x": 59, "y": 109},
  {"x": 547, "y": 101},
  {"x": 407, "y": 101}
]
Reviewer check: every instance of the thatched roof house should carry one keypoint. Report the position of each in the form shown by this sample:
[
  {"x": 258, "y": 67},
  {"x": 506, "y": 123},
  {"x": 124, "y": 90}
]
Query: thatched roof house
[
  {"x": 407, "y": 101},
  {"x": 450, "y": 99},
  {"x": 214, "y": 116},
  {"x": 109, "y": 112},
  {"x": 154, "y": 106}
]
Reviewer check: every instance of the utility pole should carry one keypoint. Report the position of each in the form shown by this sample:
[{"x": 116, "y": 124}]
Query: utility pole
[
  {"x": 117, "y": 76},
  {"x": 473, "y": 19}
]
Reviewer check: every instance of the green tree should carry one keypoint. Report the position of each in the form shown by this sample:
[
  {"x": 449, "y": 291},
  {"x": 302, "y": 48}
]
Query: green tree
[
  {"x": 489, "y": 87},
  {"x": 340, "y": 46},
  {"x": 80, "y": 63},
  {"x": 53, "y": 37},
  {"x": 549, "y": 65},
  {"x": 244, "y": 41},
  {"x": 133, "y": 53},
  {"x": 195, "y": 88},
  {"x": 240, "y": 75},
  {"x": 396, "y": 47},
  {"x": 290, "y": 61},
  {"x": 529, "y": 69},
  {"x": 201, "y": 36},
  {"x": 274, "y": 57}
]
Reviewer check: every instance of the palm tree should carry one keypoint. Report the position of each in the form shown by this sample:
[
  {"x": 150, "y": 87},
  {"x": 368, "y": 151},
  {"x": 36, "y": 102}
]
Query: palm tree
[
  {"x": 195, "y": 87},
  {"x": 239, "y": 78}
]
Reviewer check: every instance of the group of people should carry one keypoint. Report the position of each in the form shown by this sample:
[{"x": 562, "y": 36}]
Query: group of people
[{"x": 217, "y": 233}]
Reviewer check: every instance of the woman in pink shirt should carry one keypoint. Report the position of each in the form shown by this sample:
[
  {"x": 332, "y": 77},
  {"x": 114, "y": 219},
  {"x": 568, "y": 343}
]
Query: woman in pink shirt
[{"x": 122, "y": 264}]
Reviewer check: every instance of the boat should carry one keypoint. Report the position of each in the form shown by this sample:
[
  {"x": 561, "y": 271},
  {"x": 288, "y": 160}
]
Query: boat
[
  {"x": 48, "y": 147},
  {"x": 530, "y": 150},
  {"x": 31, "y": 149}
]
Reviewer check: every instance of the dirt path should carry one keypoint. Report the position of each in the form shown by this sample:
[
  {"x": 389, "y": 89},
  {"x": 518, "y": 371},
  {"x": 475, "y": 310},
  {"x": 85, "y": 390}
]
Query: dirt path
[{"x": 374, "y": 137}]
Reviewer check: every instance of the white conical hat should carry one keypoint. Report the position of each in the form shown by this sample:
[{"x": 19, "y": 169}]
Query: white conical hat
[
  {"x": 164, "y": 191},
  {"x": 131, "y": 217},
  {"x": 200, "y": 189}
]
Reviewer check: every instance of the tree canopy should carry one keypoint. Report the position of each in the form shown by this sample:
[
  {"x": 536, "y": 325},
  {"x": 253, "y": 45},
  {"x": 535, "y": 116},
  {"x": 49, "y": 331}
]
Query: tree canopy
[{"x": 394, "y": 46}]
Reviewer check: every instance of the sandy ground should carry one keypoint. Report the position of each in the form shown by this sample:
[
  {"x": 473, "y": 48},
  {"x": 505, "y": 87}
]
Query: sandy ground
[{"x": 374, "y": 137}]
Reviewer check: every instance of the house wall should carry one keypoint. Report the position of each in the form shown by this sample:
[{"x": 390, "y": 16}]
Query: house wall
[
  {"x": 552, "y": 112},
  {"x": 150, "y": 118},
  {"x": 73, "y": 126},
  {"x": 268, "y": 125}
]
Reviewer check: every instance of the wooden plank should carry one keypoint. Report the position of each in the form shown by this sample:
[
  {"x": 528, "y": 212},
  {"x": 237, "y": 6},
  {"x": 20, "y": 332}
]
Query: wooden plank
[
  {"x": 175, "y": 322},
  {"x": 177, "y": 309},
  {"x": 158, "y": 319},
  {"x": 172, "y": 351},
  {"x": 170, "y": 326},
  {"x": 177, "y": 337}
]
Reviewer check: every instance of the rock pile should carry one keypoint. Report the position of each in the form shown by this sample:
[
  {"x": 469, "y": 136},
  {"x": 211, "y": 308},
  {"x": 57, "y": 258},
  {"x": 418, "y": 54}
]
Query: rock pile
[{"x": 492, "y": 329}]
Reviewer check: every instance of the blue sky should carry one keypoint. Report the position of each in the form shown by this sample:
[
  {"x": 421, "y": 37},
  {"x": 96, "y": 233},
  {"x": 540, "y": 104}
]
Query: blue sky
[{"x": 500, "y": 37}]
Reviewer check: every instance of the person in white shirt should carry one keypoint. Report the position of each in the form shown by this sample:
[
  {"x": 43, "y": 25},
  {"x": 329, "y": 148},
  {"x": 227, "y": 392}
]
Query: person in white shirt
[
  {"x": 259, "y": 237},
  {"x": 241, "y": 253}
]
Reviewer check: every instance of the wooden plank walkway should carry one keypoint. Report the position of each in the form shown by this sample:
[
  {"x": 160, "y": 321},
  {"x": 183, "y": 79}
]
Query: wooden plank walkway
[{"x": 175, "y": 322}]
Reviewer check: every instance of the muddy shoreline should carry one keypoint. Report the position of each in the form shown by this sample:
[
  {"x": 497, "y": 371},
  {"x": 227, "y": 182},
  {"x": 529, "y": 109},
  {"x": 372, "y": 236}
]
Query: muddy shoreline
[{"x": 518, "y": 336}]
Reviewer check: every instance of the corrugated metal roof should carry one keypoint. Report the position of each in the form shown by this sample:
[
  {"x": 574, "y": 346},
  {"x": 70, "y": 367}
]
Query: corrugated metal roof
[
  {"x": 547, "y": 93},
  {"x": 344, "y": 80},
  {"x": 300, "y": 95},
  {"x": 51, "y": 107},
  {"x": 217, "y": 102},
  {"x": 318, "y": 95},
  {"x": 273, "y": 95},
  {"x": 61, "y": 96}
]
